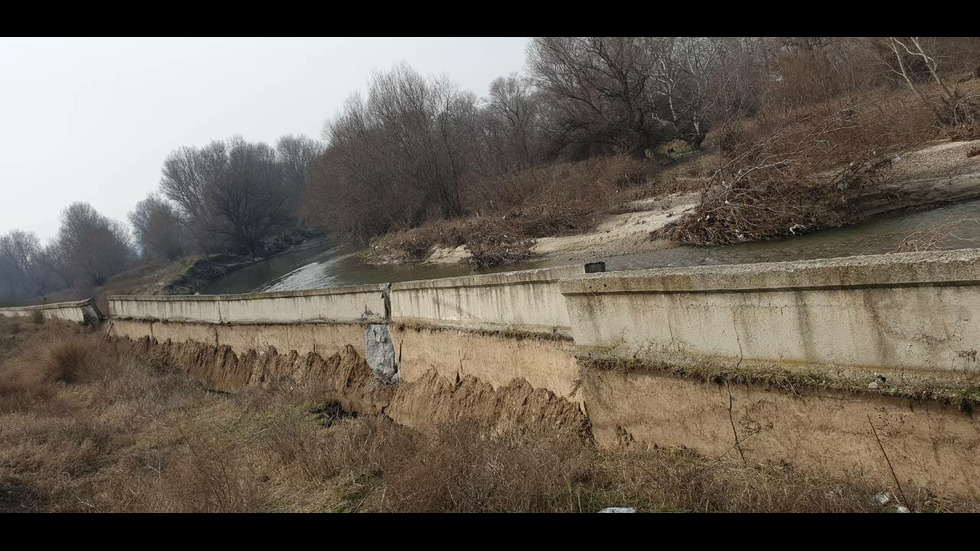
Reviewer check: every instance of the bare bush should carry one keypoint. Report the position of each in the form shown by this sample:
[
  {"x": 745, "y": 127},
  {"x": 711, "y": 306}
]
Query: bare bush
[
  {"x": 914, "y": 59},
  {"x": 933, "y": 236}
]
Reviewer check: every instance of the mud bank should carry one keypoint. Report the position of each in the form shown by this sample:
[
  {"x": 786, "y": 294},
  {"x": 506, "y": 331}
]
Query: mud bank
[
  {"x": 930, "y": 444},
  {"x": 824, "y": 431},
  {"x": 427, "y": 401}
]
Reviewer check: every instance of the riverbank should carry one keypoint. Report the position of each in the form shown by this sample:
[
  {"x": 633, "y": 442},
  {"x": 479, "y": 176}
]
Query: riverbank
[
  {"x": 186, "y": 276},
  {"x": 936, "y": 174}
]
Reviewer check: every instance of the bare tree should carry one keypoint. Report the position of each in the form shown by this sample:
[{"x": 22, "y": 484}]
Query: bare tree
[
  {"x": 159, "y": 229},
  {"x": 188, "y": 177},
  {"x": 513, "y": 123},
  {"x": 954, "y": 109},
  {"x": 249, "y": 199},
  {"x": 235, "y": 195},
  {"x": 20, "y": 274},
  {"x": 683, "y": 79},
  {"x": 598, "y": 93},
  {"x": 298, "y": 156},
  {"x": 94, "y": 246},
  {"x": 396, "y": 157}
]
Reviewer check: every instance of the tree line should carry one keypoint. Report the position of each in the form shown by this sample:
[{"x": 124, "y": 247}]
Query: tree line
[
  {"x": 229, "y": 196},
  {"x": 413, "y": 148}
]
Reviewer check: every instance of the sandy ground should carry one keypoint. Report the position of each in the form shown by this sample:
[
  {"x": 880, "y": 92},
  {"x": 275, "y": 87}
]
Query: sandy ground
[
  {"x": 938, "y": 173},
  {"x": 618, "y": 234},
  {"x": 623, "y": 233}
]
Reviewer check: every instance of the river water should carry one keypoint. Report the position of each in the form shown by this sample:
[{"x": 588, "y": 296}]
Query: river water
[{"x": 323, "y": 263}]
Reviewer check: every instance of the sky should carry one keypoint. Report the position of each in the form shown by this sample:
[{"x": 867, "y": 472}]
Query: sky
[{"x": 92, "y": 119}]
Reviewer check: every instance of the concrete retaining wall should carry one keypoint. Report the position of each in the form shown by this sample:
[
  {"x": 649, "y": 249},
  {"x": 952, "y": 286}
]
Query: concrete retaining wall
[
  {"x": 82, "y": 311},
  {"x": 912, "y": 317},
  {"x": 356, "y": 304},
  {"x": 914, "y": 311},
  {"x": 527, "y": 301}
]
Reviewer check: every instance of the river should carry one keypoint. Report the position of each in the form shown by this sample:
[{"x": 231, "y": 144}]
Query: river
[{"x": 322, "y": 263}]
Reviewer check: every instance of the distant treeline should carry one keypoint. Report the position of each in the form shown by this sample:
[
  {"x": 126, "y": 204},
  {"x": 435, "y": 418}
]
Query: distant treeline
[{"x": 414, "y": 149}]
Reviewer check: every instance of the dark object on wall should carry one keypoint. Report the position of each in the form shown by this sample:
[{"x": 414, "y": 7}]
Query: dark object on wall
[{"x": 595, "y": 267}]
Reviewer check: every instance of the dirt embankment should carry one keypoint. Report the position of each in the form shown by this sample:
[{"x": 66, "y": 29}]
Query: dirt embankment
[
  {"x": 425, "y": 403},
  {"x": 937, "y": 174},
  {"x": 89, "y": 424},
  {"x": 203, "y": 272}
]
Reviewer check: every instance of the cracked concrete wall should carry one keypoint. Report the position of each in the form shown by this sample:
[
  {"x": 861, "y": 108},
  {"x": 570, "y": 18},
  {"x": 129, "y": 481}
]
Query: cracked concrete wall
[{"x": 903, "y": 311}]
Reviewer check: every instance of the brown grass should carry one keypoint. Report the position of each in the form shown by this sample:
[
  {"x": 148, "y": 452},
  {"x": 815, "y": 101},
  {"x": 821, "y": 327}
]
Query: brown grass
[
  {"x": 127, "y": 432},
  {"x": 932, "y": 237}
]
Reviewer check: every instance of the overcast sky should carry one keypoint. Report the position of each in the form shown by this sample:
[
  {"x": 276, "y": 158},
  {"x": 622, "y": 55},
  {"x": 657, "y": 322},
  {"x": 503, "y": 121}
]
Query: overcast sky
[{"x": 92, "y": 119}]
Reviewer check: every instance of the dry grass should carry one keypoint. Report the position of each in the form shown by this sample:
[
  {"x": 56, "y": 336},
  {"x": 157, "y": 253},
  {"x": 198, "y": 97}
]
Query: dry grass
[
  {"x": 931, "y": 237},
  {"x": 119, "y": 430}
]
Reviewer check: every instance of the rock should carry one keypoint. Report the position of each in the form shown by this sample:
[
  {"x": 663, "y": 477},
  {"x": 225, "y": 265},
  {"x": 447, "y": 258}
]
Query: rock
[
  {"x": 618, "y": 510},
  {"x": 881, "y": 499},
  {"x": 902, "y": 509},
  {"x": 380, "y": 352}
]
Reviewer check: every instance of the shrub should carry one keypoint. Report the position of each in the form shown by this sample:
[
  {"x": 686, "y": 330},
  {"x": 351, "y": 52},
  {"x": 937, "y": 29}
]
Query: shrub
[{"x": 67, "y": 360}]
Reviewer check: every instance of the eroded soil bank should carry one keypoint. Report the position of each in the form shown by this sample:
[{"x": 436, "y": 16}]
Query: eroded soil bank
[
  {"x": 423, "y": 403},
  {"x": 828, "y": 431},
  {"x": 90, "y": 424},
  {"x": 940, "y": 173}
]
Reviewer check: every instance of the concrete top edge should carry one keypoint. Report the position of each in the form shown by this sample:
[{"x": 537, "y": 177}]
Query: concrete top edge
[
  {"x": 346, "y": 290},
  {"x": 949, "y": 267},
  {"x": 51, "y": 306},
  {"x": 500, "y": 278}
]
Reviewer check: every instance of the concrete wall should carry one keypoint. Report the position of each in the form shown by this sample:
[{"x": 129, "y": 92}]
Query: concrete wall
[
  {"x": 322, "y": 338},
  {"x": 915, "y": 311},
  {"x": 82, "y": 311},
  {"x": 912, "y": 311},
  {"x": 356, "y": 304},
  {"x": 527, "y": 301}
]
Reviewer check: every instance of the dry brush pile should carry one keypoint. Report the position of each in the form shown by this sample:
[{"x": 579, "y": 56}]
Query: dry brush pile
[
  {"x": 805, "y": 172},
  {"x": 818, "y": 167}
]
